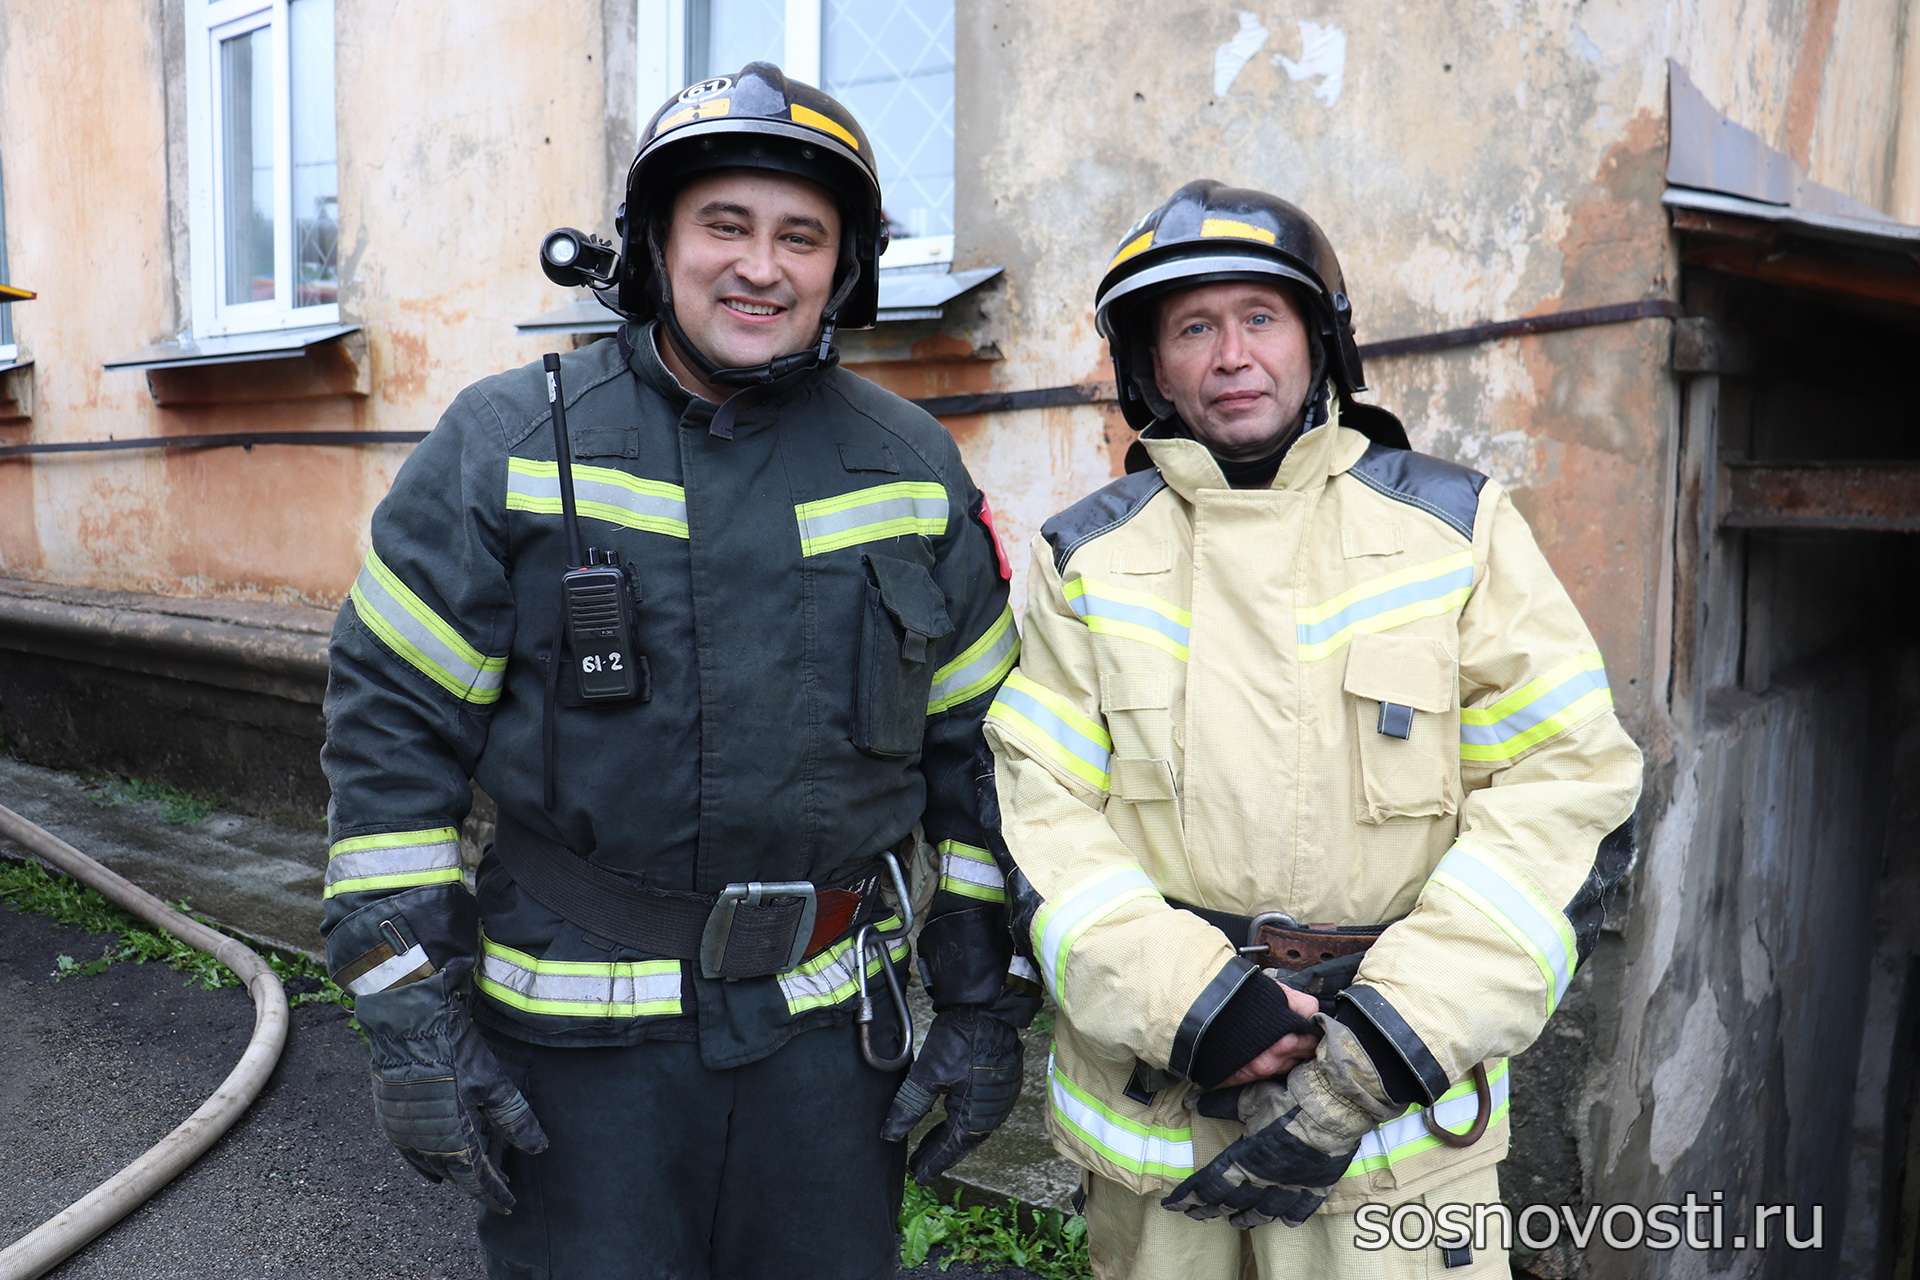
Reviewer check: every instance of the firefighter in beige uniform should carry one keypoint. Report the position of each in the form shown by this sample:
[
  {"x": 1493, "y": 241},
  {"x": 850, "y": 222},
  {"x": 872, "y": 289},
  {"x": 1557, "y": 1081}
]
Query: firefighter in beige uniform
[{"x": 1293, "y": 700}]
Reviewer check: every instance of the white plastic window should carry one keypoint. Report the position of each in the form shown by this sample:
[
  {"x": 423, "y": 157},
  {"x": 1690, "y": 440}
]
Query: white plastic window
[
  {"x": 9, "y": 351},
  {"x": 263, "y": 160},
  {"x": 892, "y": 65}
]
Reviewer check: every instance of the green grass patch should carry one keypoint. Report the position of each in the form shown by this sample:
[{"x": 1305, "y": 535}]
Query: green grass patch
[
  {"x": 1044, "y": 1241},
  {"x": 177, "y": 807},
  {"x": 28, "y": 886}
]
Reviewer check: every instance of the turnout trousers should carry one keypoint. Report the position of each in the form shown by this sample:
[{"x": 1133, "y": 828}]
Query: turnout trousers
[
  {"x": 660, "y": 1168},
  {"x": 1133, "y": 1238}
]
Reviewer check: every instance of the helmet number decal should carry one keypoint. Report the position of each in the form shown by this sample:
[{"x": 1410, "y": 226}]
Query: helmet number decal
[{"x": 705, "y": 89}]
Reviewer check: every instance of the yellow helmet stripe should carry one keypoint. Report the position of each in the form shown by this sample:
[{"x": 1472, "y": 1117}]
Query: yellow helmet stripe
[
  {"x": 1139, "y": 244},
  {"x": 824, "y": 123},
  {"x": 707, "y": 110},
  {"x": 1235, "y": 230}
]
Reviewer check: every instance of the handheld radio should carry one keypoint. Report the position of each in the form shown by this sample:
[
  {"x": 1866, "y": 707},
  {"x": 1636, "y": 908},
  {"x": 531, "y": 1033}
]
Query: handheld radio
[{"x": 596, "y": 598}]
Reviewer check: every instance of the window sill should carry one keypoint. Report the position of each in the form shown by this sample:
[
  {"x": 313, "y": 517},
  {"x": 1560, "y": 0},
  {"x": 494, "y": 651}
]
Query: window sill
[
  {"x": 16, "y": 388},
  {"x": 286, "y": 364}
]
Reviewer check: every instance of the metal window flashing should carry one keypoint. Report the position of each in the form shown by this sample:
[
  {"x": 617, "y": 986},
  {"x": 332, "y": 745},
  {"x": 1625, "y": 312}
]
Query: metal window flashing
[
  {"x": 1715, "y": 165},
  {"x": 906, "y": 293},
  {"x": 1882, "y": 233},
  {"x": 239, "y": 348}
]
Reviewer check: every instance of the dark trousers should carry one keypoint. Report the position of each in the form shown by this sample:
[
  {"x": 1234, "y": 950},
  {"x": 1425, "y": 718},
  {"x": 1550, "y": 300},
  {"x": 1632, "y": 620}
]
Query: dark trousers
[{"x": 661, "y": 1168}]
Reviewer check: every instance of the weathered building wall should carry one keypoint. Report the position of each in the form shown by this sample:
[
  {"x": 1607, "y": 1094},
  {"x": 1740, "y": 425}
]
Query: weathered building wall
[
  {"x": 1738, "y": 1017},
  {"x": 462, "y": 140},
  {"x": 1469, "y": 161}
]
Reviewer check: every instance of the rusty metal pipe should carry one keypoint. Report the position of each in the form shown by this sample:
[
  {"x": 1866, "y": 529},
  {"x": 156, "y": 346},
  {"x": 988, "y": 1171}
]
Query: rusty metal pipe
[{"x": 47, "y": 1245}]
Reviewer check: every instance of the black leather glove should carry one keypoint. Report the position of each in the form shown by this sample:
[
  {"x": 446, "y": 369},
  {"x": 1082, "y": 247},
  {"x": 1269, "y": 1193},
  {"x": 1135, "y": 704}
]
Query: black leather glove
[
  {"x": 1302, "y": 1134},
  {"x": 438, "y": 1091},
  {"x": 974, "y": 1059}
]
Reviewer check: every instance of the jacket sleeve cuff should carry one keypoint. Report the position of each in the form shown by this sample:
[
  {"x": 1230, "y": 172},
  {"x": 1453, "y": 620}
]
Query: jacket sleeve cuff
[
  {"x": 1399, "y": 1038},
  {"x": 1249, "y": 1023},
  {"x": 1395, "y": 1076},
  {"x": 1201, "y": 1014},
  {"x": 964, "y": 956}
]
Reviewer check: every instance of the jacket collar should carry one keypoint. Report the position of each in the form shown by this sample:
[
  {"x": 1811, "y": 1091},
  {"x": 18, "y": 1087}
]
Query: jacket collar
[{"x": 1189, "y": 468}]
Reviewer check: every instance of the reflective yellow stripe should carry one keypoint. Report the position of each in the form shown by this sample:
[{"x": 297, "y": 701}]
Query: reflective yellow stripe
[
  {"x": 578, "y": 988},
  {"x": 1132, "y": 248},
  {"x": 1052, "y": 728},
  {"x": 1383, "y": 603},
  {"x": 708, "y": 110},
  {"x": 981, "y": 666},
  {"x": 1131, "y": 615},
  {"x": 1406, "y": 1135},
  {"x": 896, "y": 510},
  {"x": 420, "y": 637},
  {"x": 393, "y": 860},
  {"x": 1543, "y": 708},
  {"x": 825, "y": 123},
  {"x": 829, "y": 978},
  {"x": 1236, "y": 230},
  {"x": 971, "y": 872},
  {"x": 600, "y": 493},
  {"x": 401, "y": 880}
]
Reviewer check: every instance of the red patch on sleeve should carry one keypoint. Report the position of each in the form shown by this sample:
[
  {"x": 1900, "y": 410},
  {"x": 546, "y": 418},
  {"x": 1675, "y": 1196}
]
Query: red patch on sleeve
[{"x": 985, "y": 516}]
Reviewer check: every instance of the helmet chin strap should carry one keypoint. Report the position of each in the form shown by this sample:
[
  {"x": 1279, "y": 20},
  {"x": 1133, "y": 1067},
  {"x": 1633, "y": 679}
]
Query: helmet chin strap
[{"x": 821, "y": 355}]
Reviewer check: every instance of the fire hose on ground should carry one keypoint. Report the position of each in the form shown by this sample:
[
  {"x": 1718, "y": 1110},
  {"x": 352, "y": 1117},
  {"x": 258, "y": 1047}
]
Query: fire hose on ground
[{"x": 47, "y": 1245}]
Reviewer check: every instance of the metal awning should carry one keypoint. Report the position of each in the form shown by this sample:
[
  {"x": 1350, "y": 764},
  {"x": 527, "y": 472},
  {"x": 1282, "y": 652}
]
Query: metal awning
[
  {"x": 1875, "y": 232},
  {"x": 906, "y": 293},
  {"x": 1716, "y": 166},
  {"x": 239, "y": 348},
  {"x": 1744, "y": 209},
  {"x": 21, "y": 361}
]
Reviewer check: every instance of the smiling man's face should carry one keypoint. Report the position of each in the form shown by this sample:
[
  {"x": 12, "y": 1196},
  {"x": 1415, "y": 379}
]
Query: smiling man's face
[
  {"x": 1234, "y": 360},
  {"x": 751, "y": 256}
]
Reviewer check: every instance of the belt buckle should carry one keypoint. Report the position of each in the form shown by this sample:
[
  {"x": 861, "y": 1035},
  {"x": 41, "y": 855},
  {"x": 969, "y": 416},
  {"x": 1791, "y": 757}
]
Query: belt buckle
[
  {"x": 755, "y": 893},
  {"x": 1277, "y": 919}
]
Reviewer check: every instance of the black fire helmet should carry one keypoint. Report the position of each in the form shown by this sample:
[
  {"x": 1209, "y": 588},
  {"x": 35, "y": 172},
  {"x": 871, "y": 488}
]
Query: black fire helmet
[
  {"x": 756, "y": 118},
  {"x": 1208, "y": 232}
]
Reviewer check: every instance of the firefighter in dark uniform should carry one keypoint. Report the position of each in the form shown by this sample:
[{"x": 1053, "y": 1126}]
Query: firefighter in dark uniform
[{"x": 632, "y": 1038}]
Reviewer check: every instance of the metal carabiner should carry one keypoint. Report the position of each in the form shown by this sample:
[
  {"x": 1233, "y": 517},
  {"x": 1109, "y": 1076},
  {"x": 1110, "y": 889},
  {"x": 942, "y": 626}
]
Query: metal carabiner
[{"x": 866, "y": 937}]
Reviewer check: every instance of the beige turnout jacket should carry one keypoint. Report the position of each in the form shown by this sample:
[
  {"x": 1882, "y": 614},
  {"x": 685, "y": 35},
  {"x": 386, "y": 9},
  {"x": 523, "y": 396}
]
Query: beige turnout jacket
[{"x": 1209, "y": 709}]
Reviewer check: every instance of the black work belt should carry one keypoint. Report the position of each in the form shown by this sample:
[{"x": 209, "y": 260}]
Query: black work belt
[
  {"x": 749, "y": 930},
  {"x": 1322, "y": 960}
]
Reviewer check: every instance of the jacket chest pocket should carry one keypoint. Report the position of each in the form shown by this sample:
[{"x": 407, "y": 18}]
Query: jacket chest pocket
[
  {"x": 905, "y": 613},
  {"x": 1401, "y": 691}
]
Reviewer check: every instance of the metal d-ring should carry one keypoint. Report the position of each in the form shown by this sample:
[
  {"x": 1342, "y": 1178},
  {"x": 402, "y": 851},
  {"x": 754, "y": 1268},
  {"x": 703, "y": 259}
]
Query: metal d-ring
[{"x": 866, "y": 937}]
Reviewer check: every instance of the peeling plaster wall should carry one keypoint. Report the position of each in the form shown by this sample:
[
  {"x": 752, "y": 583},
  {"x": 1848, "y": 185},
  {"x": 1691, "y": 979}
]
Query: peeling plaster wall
[
  {"x": 1742, "y": 997},
  {"x": 461, "y": 140}
]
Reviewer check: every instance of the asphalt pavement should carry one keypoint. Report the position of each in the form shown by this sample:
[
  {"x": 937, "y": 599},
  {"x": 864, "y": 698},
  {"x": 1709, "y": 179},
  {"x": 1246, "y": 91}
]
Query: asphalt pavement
[{"x": 95, "y": 1069}]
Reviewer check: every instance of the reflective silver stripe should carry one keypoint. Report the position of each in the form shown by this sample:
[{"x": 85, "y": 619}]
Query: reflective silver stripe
[
  {"x": 977, "y": 669},
  {"x": 1021, "y": 967},
  {"x": 1541, "y": 932},
  {"x": 393, "y": 860},
  {"x": 600, "y": 493},
  {"x": 970, "y": 871},
  {"x": 1406, "y": 1135},
  {"x": 869, "y": 515},
  {"x": 579, "y": 988},
  {"x": 1139, "y": 1148},
  {"x": 1058, "y": 925},
  {"x": 829, "y": 977},
  {"x": 388, "y": 972},
  {"x": 425, "y": 640}
]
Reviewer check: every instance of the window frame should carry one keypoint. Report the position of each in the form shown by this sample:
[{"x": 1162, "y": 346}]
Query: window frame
[
  {"x": 661, "y": 71},
  {"x": 208, "y": 23},
  {"x": 9, "y": 344}
]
